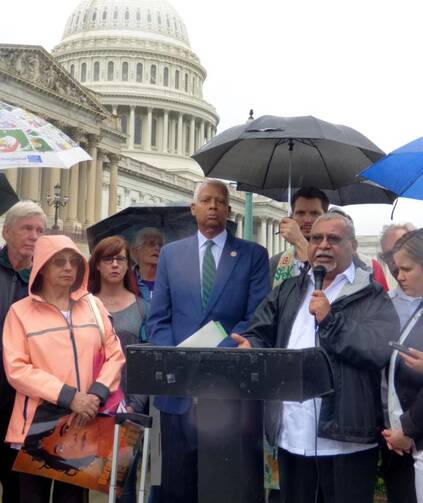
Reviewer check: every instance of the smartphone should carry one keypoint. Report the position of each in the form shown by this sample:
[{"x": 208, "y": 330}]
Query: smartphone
[{"x": 401, "y": 348}]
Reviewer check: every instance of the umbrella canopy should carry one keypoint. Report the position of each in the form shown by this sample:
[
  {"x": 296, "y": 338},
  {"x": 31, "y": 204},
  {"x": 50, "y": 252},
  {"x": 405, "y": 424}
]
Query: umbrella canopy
[
  {"x": 8, "y": 196},
  {"x": 400, "y": 171},
  {"x": 360, "y": 192},
  {"x": 28, "y": 141},
  {"x": 174, "y": 220},
  {"x": 280, "y": 152}
]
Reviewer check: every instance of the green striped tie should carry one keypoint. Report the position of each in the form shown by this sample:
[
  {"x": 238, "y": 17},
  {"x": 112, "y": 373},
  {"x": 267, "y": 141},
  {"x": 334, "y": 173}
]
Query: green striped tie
[{"x": 209, "y": 272}]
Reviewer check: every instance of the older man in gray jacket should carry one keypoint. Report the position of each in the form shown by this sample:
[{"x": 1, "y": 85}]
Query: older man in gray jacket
[{"x": 328, "y": 447}]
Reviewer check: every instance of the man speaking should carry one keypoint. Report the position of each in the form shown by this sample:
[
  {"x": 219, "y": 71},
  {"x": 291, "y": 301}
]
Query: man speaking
[{"x": 327, "y": 448}]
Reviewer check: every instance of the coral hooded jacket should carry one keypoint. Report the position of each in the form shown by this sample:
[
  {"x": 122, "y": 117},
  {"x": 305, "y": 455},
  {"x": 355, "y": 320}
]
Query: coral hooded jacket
[{"x": 48, "y": 358}]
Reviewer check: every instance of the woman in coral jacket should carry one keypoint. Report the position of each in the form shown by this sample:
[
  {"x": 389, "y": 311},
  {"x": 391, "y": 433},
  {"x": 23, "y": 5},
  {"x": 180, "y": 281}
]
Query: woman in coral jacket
[{"x": 51, "y": 340}]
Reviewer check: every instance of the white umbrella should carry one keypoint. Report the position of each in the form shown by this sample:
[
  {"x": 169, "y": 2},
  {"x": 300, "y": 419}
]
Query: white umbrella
[{"x": 28, "y": 141}]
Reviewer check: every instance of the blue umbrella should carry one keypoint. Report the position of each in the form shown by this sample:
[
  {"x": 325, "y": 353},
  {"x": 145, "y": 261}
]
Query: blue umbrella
[{"x": 401, "y": 171}]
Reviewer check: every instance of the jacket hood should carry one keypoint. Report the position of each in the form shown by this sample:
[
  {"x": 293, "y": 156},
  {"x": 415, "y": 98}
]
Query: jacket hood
[{"x": 45, "y": 248}]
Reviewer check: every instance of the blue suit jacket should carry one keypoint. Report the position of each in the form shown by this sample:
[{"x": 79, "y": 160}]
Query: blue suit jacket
[{"x": 241, "y": 283}]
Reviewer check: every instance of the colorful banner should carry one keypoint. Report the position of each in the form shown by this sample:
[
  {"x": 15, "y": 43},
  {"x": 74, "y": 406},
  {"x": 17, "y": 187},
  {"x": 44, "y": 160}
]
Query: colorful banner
[{"x": 79, "y": 456}]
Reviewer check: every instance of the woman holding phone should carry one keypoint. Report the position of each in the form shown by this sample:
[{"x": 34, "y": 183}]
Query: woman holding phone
[{"x": 405, "y": 388}]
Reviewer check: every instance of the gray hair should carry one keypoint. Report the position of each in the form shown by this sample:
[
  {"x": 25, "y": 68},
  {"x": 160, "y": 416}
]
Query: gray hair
[
  {"x": 148, "y": 233},
  {"x": 23, "y": 209},
  {"x": 387, "y": 229},
  {"x": 336, "y": 215},
  {"x": 211, "y": 181}
]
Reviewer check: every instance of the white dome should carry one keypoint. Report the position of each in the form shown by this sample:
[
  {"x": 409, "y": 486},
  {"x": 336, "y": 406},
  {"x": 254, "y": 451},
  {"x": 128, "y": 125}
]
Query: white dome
[{"x": 137, "y": 17}]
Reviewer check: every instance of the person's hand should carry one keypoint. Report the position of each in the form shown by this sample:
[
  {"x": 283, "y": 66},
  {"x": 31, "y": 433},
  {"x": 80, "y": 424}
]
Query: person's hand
[
  {"x": 77, "y": 420},
  {"x": 397, "y": 441},
  {"x": 319, "y": 305},
  {"x": 85, "y": 405},
  {"x": 291, "y": 232},
  {"x": 416, "y": 361},
  {"x": 242, "y": 342}
]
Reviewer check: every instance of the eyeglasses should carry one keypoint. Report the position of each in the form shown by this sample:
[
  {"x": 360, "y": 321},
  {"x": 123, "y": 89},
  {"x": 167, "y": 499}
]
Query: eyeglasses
[
  {"x": 120, "y": 259},
  {"x": 386, "y": 257},
  {"x": 74, "y": 261},
  {"x": 332, "y": 239}
]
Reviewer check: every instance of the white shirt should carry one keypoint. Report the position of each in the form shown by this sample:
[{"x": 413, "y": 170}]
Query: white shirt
[
  {"x": 299, "y": 419},
  {"x": 404, "y": 304},
  {"x": 219, "y": 242}
]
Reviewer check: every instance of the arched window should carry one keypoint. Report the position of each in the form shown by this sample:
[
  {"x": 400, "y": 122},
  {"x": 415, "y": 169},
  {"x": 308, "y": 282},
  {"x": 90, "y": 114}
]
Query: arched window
[
  {"x": 77, "y": 18},
  {"x": 110, "y": 70},
  {"x": 193, "y": 86},
  {"x": 94, "y": 16},
  {"x": 153, "y": 74},
  {"x": 154, "y": 132},
  {"x": 127, "y": 15},
  {"x": 96, "y": 71},
  {"x": 186, "y": 82},
  {"x": 138, "y": 15},
  {"x": 104, "y": 17},
  {"x": 83, "y": 72},
  {"x": 166, "y": 76},
  {"x": 72, "y": 70},
  {"x": 125, "y": 71},
  {"x": 168, "y": 21},
  {"x": 139, "y": 72},
  {"x": 159, "y": 19},
  {"x": 115, "y": 14},
  {"x": 138, "y": 130},
  {"x": 149, "y": 17},
  {"x": 177, "y": 79}
]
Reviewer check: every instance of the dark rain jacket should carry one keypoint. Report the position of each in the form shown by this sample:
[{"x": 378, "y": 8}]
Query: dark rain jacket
[{"x": 355, "y": 335}]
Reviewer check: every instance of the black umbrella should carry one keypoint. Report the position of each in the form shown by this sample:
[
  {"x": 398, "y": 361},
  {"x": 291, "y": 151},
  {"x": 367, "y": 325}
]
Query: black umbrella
[
  {"x": 283, "y": 152},
  {"x": 360, "y": 192},
  {"x": 8, "y": 196},
  {"x": 174, "y": 220}
]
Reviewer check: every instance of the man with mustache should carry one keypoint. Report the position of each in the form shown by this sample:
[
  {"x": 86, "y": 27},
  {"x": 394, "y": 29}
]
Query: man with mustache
[
  {"x": 307, "y": 204},
  {"x": 327, "y": 448}
]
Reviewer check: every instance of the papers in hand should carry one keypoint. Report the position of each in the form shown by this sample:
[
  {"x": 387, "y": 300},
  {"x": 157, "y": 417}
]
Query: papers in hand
[{"x": 209, "y": 336}]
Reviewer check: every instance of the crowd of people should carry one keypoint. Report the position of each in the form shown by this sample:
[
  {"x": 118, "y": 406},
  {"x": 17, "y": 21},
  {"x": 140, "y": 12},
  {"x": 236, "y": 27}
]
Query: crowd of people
[{"x": 60, "y": 315}]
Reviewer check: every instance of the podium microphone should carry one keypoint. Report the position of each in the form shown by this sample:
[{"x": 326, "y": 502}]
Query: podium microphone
[{"x": 319, "y": 273}]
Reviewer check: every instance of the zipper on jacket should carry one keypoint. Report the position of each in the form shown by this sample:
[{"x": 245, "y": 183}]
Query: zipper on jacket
[
  {"x": 25, "y": 414},
  {"x": 72, "y": 338}
]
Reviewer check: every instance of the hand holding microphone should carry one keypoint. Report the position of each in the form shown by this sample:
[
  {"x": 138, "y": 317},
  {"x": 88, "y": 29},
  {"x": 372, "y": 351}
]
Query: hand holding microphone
[{"x": 319, "y": 305}]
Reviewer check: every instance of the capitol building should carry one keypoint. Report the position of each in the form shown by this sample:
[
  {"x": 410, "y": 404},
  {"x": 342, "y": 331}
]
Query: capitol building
[{"x": 125, "y": 83}]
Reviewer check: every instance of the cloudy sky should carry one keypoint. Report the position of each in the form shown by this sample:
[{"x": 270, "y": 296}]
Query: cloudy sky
[{"x": 353, "y": 63}]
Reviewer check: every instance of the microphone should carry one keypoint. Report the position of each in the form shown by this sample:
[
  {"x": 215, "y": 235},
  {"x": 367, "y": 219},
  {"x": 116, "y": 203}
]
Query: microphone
[{"x": 319, "y": 273}]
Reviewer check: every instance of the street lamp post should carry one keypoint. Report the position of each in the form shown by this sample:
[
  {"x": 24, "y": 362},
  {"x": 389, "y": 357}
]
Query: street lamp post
[{"x": 57, "y": 201}]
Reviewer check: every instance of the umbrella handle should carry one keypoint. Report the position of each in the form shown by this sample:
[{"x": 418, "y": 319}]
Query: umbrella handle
[{"x": 291, "y": 149}]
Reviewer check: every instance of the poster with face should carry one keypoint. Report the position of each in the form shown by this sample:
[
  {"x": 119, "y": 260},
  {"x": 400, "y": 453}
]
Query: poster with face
[{"x": 82, "y": 456}]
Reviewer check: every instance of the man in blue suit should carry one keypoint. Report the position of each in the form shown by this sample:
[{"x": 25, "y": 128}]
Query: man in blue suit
[{"x": 209, "y": 276}]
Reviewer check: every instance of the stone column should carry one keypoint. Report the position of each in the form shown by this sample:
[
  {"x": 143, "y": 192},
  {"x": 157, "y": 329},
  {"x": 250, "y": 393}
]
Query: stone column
[
  {"x": 31, "y": 184},
  {"x": 263, "y": 229},
  {"x": 91, "y": 181},
  {"x": 73, "y": 198},
  {"x": 208, "y": 131},
  {"x": 270, "y": 237},
  {"x": 98, "y": 185},
  {"x": 82, "y": 192},
  {"x": 149, "y": 128},
  {"x": 12, "y": 177},
  {"x": 202, "y": 138},
  {"x": 180, "y": 133},
  {"x": 131, "y": 127},
  {"x": 192, "y": 136},
  {"x": 165, "y": 130},
  {"x": 114, "y": 161},
  {"x": 239, "y": 227}
]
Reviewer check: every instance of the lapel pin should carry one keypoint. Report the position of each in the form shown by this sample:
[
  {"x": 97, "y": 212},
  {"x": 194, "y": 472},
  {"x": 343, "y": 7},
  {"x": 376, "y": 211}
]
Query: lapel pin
[{"x": 233, "y": 253}]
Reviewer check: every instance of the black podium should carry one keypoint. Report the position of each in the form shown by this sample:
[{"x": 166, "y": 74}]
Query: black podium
[{"x": 230, "y": 386}]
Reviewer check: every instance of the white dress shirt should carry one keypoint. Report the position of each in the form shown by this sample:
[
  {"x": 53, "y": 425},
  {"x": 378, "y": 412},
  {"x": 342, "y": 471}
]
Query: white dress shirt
[
  {"x": 299, "y": 419},
  {"x": 404, "y": 305},
  {"x": 219, "y": 242}
]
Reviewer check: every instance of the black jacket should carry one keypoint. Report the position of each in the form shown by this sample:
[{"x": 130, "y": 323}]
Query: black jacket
[
  {"x": 409, "y": 388},
  {"x": 355, "y": 335},
  {"x": 13, "y": 287}
]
